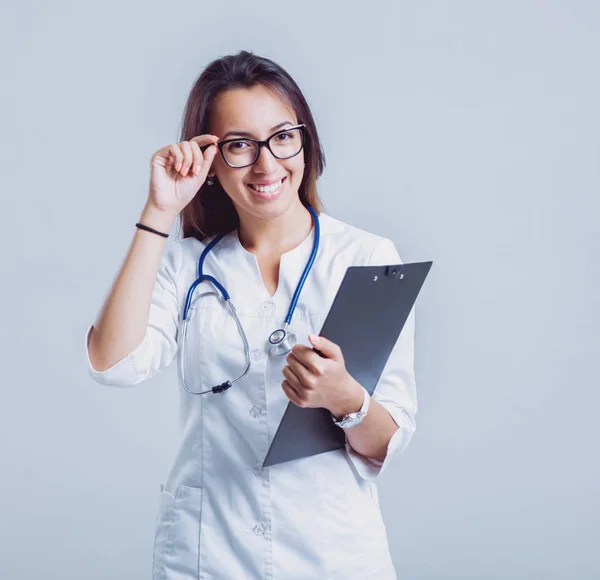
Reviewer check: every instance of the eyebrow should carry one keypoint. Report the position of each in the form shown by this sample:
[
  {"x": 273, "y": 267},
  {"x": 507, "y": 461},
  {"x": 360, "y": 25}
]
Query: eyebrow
[{"x": 245, "y": 134}]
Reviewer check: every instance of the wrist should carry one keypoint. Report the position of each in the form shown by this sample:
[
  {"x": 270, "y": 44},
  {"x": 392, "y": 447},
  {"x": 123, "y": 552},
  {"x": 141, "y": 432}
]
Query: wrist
[
  {"x": 352, "y": 403},
  {"x": 157, "y": 219}
]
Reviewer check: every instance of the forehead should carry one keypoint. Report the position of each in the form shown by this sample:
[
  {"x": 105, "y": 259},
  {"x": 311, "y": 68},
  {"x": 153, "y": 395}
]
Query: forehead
[{"x": 254, "y": 110}]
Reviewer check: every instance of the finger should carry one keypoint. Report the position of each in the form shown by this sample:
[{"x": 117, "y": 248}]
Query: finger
[
  {"x": 291, "y": 393},
  {"x": 188, "y": 157},
  {"x": 293, "y": 379},
  {"x": 302, "y": 352},
  {"x": 305, "y": 376},
  {"x": 328, "y": 348},
  {"x": 208, "y": 157},
  {"x": 177, "y": 156},
  {"x": 205, "y": 139},
  {"x": 206, "y": 161},
  {"x": 198, "y": 158},
  {"x": 309, "y": 358}
]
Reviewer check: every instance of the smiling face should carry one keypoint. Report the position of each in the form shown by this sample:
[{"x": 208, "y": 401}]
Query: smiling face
[{"x": 258, "y": 113}]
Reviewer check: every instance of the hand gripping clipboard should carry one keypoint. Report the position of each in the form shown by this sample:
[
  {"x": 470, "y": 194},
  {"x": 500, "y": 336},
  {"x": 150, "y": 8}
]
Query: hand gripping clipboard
[{"x": 365, "y": 320}]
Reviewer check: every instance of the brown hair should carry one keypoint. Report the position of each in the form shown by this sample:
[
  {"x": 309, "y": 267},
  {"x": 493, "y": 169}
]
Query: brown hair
[{"x": 211, "y": 211}]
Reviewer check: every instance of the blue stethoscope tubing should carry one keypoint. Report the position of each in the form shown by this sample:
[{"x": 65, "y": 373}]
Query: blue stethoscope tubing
[{"x": 282, "y": 340}]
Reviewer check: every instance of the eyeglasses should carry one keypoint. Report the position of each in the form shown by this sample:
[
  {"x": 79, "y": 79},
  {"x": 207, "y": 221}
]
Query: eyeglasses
[{"x": 244, "y": 152}]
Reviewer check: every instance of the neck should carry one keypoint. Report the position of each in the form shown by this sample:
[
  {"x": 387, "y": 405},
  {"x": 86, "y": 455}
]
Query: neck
[{"x": 276, "y": 235}]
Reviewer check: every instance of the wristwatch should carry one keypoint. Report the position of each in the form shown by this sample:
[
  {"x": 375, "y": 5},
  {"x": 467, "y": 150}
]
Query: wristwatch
[{"x": 353, "y": 419}]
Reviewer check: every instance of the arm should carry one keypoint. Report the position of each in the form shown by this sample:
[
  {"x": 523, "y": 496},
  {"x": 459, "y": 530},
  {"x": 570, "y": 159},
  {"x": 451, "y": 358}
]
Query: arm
[
  {"x": 122, "y": 322},
  {"x": 315, "y": 381},
  {"x": 135, "y": 334}
]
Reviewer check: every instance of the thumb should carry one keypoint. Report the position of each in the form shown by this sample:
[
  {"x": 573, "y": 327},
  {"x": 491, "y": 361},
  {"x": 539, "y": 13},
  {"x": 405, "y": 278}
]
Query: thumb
[
  {"x": 208, "y": 155},
  {"x": 328, "y": 348}
]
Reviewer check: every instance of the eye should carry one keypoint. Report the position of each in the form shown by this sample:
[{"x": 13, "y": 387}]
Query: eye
[
  {"x": 284, "y": 136},
  {"x": 237, "y": 145}
]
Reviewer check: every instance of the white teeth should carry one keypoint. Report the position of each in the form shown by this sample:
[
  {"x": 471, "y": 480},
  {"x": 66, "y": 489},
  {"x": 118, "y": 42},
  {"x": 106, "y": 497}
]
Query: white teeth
[{"x": 269, "y": 188}]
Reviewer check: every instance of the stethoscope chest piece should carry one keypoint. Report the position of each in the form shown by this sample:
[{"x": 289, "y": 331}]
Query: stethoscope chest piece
[{"x": 282, "y": 340}]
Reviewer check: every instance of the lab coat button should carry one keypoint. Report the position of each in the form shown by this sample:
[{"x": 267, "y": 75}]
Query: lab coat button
[
  {"x": 260, "y": 529},
  {"x": 258, "y": 470},
  {"x": 256, "y": 411},
  {"x": 256, "y": 354},
  {"x": 267, "y": 305}
]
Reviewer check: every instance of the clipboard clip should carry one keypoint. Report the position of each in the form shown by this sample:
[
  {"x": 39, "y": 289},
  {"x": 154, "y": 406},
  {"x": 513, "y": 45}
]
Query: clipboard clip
[{"x": 395, "y": 271}]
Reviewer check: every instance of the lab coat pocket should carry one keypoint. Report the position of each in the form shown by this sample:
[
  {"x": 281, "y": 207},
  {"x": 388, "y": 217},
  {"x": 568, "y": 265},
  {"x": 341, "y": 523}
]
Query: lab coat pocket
[
  {"x": 177, "y": 537},
  {"x": 357, "y": 532}
]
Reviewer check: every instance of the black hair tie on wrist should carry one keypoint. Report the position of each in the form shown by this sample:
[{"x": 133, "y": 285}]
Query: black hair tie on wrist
[{"x": 148, "y": 229}]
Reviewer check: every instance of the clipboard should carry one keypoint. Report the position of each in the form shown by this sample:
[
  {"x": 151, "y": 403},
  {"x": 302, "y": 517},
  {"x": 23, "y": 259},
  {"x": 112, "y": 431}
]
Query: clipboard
[{"x": 372, "y": 302}]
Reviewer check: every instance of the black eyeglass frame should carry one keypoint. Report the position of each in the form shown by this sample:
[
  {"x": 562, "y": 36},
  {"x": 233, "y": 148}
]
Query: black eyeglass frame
[{"x": 265, "y": 143}]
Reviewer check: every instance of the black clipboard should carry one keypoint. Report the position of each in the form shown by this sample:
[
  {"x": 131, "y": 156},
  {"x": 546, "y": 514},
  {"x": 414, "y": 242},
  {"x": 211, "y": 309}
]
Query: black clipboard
[{"x": 373, "y": 302}]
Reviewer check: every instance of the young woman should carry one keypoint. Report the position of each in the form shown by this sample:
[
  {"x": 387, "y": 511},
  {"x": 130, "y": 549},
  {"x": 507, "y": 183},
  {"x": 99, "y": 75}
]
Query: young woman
[{"x": 243, "y": 182}]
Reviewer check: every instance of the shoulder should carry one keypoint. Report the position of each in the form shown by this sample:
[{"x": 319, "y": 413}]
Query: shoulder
[
  {"x": 185, "y": 254},
  {"x": 361, "y": 246},
  {"x": 190, "y": 249},
  {"x": 180, "y": 255}
]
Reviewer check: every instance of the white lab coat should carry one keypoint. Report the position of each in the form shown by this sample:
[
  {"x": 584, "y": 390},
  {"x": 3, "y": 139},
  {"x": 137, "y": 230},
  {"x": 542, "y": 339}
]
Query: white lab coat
[{"x": 220, "y": 516}]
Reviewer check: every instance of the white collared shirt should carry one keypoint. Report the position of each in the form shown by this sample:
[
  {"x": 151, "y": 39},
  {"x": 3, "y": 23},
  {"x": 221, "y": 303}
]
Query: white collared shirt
[{"x": 221, "y": 516}]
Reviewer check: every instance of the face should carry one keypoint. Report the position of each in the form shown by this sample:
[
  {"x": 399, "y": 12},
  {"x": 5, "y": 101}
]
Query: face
[{"x": 257, "y": 112}]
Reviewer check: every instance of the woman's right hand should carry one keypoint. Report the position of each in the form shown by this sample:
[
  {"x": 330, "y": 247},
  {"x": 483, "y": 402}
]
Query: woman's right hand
[{"x": 178, "y": 171}]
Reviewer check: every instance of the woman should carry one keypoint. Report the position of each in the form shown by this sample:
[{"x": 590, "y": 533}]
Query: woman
[{"x": 221, "y": 514}]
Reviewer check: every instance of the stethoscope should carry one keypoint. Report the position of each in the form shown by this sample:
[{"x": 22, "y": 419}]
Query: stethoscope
[{"x": 282, "y": 340}]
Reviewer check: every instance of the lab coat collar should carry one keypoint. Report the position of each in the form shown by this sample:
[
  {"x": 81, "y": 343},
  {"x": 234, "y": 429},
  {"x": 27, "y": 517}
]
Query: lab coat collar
[{"x": 291, "y": 267}]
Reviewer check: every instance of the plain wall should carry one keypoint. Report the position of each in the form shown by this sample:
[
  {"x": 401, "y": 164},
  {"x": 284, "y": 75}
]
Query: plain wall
[{"x": 466, "y": 131}]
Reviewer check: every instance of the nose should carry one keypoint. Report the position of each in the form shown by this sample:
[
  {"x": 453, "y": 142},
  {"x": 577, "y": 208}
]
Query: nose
[{"x": 266, "y": 162}]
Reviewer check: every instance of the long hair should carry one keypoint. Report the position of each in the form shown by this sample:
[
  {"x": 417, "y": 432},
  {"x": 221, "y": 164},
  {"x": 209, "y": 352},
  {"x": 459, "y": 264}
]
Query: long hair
[{"x": 211, "y": 211}]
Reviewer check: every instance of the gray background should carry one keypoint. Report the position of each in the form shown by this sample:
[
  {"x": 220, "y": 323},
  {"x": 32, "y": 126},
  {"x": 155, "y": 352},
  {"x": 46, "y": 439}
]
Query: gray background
[{"x": 468, "y": 132}]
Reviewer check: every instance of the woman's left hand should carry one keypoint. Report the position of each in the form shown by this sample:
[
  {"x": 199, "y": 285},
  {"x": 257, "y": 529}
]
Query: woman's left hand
[{"x": 315, "y": 381}]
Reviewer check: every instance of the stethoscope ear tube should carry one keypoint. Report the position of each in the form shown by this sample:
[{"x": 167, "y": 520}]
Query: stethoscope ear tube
[
  {"x": 282, "y": 340},
  {"x": 182, "y": 347}
]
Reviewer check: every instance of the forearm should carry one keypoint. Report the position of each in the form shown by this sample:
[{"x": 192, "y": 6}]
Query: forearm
[
  {"x": 122, "y": 321},
  {"x": 370, "y": 437}
]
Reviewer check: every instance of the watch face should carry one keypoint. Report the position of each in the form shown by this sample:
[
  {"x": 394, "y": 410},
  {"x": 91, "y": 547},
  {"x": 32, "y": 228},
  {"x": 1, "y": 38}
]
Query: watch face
[{"x": 353, "y": 419}]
